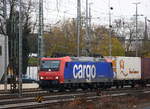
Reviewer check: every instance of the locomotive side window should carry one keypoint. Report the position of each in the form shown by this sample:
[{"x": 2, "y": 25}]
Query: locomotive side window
[{"x": 49, "y": 65}]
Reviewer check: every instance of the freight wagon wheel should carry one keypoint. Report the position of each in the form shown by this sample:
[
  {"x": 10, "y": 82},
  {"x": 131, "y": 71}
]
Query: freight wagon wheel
[
  {"x": 133, "y": 85},
  {"x": 143, "y": 85}
]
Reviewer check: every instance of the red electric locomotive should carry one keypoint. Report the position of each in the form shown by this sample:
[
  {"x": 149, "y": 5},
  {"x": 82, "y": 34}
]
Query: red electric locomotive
[
  {"x": 74, "y": 72},
  {"x": 51, "y": 70}
]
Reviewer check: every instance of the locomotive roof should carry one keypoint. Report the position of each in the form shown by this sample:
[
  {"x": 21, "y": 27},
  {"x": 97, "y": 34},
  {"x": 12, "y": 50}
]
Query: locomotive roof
[
  {"x": 87, "y": 59},
  {"x": 82, "y": 58}
]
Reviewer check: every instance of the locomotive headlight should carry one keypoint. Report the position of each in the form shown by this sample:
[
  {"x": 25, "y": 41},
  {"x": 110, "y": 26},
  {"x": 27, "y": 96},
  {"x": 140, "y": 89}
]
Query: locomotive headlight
[
  {"x": 56, "y": 77},
  {"x": 41, "y": 77}
]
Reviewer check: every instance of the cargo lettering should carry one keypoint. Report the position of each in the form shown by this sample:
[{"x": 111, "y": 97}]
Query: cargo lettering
[{"x": 84, "y": 71}]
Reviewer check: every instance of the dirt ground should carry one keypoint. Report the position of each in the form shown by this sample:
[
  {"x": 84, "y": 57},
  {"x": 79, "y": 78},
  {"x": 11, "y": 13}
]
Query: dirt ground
[{"x": 122, "y": 102}]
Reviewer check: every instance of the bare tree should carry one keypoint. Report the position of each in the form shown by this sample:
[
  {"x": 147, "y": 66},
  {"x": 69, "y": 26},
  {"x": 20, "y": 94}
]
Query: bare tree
[
  {"x": 12, "y": 24},
  {"x": 126, "y": 29}
]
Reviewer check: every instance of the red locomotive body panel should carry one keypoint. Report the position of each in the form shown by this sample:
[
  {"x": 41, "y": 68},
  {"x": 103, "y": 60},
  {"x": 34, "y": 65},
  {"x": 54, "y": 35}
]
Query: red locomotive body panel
[{"x": 51, "y": 74}]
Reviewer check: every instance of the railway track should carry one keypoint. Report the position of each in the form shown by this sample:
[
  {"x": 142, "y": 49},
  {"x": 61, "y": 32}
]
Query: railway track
[
  {"x": 23, "y": 90},
  {"x": 38, "y": 91},
  {"x": 29, "y": 99}
]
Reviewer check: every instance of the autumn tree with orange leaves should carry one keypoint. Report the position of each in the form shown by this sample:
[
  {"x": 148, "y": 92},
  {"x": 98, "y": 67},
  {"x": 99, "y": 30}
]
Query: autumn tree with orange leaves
[{"x": 63, "y": 40}]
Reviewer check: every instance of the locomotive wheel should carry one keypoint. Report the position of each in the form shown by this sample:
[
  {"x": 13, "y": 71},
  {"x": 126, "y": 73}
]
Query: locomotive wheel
[
  {"x": 61, "y": 89},
  {"x": 42, "y": 86}
]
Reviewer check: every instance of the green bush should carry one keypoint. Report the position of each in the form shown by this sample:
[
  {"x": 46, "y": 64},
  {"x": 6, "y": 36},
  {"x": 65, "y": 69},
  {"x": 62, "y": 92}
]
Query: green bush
[{"x": 33, "y": 61}]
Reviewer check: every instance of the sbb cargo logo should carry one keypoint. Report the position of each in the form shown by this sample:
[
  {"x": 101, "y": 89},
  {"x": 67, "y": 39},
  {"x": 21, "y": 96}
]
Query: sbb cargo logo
[{"x": 84, "y": 71}]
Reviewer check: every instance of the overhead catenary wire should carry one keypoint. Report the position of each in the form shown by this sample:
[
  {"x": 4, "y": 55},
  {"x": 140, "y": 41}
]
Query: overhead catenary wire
[{"x": 63, "y": 5}]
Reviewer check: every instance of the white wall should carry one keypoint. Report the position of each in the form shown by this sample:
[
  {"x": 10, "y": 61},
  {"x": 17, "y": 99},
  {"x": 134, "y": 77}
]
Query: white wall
[
  {"x": 32, "y": 72},
  {"x": 2, "y": 57}
]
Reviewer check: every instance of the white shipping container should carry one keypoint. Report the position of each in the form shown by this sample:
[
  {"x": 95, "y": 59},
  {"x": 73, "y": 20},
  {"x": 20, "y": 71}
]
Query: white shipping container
[
  {"x": 128, "y": 68},
  {"x": 2, "y": 55}
]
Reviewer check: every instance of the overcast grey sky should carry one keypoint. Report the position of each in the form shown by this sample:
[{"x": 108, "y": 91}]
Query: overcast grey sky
[{"x": 55, "y": 10}]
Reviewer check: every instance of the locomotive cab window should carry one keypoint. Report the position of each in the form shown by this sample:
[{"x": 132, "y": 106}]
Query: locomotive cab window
[{"x": 49, "y": 65}]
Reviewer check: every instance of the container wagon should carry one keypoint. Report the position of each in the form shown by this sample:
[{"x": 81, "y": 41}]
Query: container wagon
[{"x": 127, "y": 70}]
